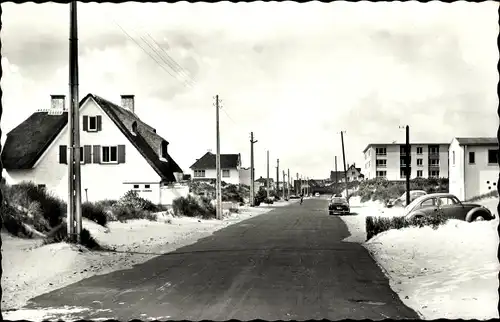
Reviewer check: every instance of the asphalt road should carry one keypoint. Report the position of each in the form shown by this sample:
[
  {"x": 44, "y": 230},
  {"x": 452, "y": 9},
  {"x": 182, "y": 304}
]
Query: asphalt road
[{"x": 287, "y": 264}]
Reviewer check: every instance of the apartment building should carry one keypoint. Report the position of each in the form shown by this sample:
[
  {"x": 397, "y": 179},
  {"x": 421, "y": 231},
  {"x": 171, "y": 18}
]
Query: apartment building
[{"x": 389, "y": 160}]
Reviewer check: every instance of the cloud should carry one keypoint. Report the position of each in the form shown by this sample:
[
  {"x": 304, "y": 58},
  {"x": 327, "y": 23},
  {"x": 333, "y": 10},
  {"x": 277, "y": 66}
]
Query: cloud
[{"x": 295, "y": 79}]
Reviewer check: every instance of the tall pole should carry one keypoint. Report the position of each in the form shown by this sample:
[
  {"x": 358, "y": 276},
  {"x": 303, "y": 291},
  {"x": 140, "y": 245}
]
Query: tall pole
[
  {"x": 278, "y": 178},
  {"x": 252, "y": 172},
  {"x": 284, "y": 185},
  {"x": 289, "y": 182},
  {"x": 336, "y": 176},
  {"x": 74, "y": 184},
  {"x": 217, "y": 162},
  {"x": 267, "y": 181},
  {"x": 297, "y": 184},
  {"x": 408, "y": 161},
  {"x": 345, "y": 167}
]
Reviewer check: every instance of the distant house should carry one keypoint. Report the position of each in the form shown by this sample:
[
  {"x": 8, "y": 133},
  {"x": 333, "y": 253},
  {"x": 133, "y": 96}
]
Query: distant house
[
  {"x": 353, "y": 174},
  {"x": 473, "y": 166},
  {"x": 262, "y": 183},
  {"x": 119, "y": 152},
  {"x": 205, "y": 168}
]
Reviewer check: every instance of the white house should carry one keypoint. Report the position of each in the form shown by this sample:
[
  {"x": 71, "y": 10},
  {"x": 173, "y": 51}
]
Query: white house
[
  {"x": 205, "y": 168},
  {"x": 473, "y": 166},
  {"x": 118, "y": 151},
  {"x": 353, "y": 174}
]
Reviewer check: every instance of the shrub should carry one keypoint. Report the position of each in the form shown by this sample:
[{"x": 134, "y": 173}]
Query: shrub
[
  {"x": 53, "y": 209},
  {"x": 191, "y": 207},
  {"x": 377, "y": 225},
  {"x": 95, "y": 212},
  {"x": 124, "y": 213},
  {"x": 88, "y": 241},
  {"x": 133, "y": 200},
  {"x": 490, "y": 194}
]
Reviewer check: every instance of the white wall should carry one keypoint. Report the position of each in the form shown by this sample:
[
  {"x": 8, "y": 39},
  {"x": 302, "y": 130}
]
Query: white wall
[
  {"x": 173, "y": 191},
  {"x": 245, "y": 176},
  {"x": 103, "y": 181},
  {"x": 234, "y": 175},
  {"x": 456, "y": 179},
  {"x": 481, "y": 175}
]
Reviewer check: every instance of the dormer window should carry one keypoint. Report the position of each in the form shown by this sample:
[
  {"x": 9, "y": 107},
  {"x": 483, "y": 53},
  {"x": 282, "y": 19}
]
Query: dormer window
[
  {"x": 134, "y": 128},
  {"x": 163, "y": 150},
  {"x": 92, "y": 123}
]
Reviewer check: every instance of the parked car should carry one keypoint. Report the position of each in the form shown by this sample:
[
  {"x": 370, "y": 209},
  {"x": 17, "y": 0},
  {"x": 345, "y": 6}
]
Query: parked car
[
  {"x": 316, "y": 194},
  {"x": 401, "y": 201},
  {"x": 339, "y": 206},
  {"x": 451, "y": 206},
  {"x": 294, "y": 197}
]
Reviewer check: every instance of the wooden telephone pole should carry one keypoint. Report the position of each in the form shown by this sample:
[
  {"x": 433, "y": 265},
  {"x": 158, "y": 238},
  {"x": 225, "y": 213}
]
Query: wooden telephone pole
[
  {"x": 289, "y": 183},
  {"x": 336, "y": 176},
  {"x": 252, "y": 171},
  {"x": 218, "y": 191},
  {"x": 267, "y": 181},
  {"x": 284, "y": 186},
  {"x": 74, "y": 181},
  {"x": 345, "y": 167},
  {"x": 278, "y": 178},
  {"x": 408, "y": 162}
]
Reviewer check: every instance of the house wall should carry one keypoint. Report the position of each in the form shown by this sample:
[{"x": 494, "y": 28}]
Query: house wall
[
  {"x": 456, "y": 173},
  {"x": 170, "y": 192},
  {"x": 245, "y": 176},
  {"x": 103, "y": 181},
  {"x": 480, "y": 177},
  {"x": 234, "y": 176}
]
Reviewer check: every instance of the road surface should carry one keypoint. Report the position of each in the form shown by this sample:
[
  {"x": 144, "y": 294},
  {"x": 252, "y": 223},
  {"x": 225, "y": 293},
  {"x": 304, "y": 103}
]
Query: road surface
[{"x": 287, "y": 264}]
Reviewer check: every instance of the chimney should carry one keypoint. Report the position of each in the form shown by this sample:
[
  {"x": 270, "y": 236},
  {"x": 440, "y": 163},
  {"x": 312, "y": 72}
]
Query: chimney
[
  {"x": 57, "y": 102},
  {"x": 128, "y": 102}
]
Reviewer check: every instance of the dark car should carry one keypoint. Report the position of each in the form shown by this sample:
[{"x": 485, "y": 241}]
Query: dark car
[
  {"x": 450, "y": 205},
  {"x": 339, "y": 206}
]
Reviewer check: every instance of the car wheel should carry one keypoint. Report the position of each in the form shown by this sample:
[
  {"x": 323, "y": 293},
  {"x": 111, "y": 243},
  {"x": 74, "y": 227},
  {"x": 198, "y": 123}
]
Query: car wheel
[{"x": 479, "y": 218}]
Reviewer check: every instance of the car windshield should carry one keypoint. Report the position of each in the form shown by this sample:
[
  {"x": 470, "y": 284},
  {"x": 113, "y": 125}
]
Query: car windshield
[{"x": 338, "y": 200}]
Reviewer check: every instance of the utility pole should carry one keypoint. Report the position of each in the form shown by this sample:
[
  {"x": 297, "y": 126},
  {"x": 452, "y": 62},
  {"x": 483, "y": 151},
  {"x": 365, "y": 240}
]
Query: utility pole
[
  {"x": 345, "y": 168},
  {"x": 408, "y": 161},
  {"x": 74, "y": 184},
  {"x": 267, "y": 182},
  {"x": 284, "y": 185},
  {"x": 297, "y": 184},
  {"x": 217, "y": 163},
  {"x": 289, "y": 182},
  {"x": 252, "y": 171},
  {"x": 278, "y": 178},
  {"x": 336, "y": 176}
]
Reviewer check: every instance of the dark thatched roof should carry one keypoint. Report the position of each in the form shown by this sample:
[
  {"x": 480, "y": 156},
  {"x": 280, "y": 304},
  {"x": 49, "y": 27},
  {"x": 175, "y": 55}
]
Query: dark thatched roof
[
  {"x": 227, "y": 161},
  {"x": 28, "y": 141},
  {"x": 478, "y": 141}
]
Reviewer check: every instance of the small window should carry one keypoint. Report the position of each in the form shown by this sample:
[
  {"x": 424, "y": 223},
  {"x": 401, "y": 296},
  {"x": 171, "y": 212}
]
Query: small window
[
  {"x": 472, "y": 158},
  {"x": 82, "y": 156},
  {"x": 420, "y": 150},
  {"x": 109, "y": 154},
  {"x": 225, "y": 173},
  {"x": 381, "y": 151},
  {"x": 420, "y": 173},
  {"x": 381, "y": 163},
  {"x": 134, "y": 128},
  {"x": 147, "y": 186},
  {"x": 420, "y": 161},
  {"x": 42, "y": 186},
  {"x": 453, "y": 161},
  {"x": 92, "y": 123},
  {"x": 199, "y": 173},
  {"x": 493, "y": 156},
  {"x": 164, "y": 147},
  {"x": 136, "y": 186}
]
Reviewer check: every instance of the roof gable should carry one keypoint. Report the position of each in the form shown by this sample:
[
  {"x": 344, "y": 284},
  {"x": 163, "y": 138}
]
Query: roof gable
[
  {"x": 44, "y": 128},
  {"x": 207, "y": 161}
]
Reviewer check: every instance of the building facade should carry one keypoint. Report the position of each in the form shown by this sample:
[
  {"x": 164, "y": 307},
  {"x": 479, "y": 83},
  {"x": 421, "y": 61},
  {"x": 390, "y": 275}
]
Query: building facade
[
  {"x": 205, "y": 168},
  {"x": 389, "y": 161},
  {"x": 473, "y": 166}
]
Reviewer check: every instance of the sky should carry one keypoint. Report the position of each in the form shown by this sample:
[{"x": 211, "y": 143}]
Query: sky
[{"x": 294, "y": 74}]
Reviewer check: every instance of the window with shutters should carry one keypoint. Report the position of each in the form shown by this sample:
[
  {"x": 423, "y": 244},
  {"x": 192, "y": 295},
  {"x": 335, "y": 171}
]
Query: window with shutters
[
  {"x": 109, "y": 154},
  {"x": 92, "y": 123}
]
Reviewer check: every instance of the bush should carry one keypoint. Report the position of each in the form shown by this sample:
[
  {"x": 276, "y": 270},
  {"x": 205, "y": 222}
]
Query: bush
[
  {"x": 52, "y": 209},
  {"x": 133, "y": 200},
  {"x": 124, "y": 213},
  {"x": 95, "y": 212},
  {"x": 377, "y": 225},
  {"x": 191, "y": 207}
]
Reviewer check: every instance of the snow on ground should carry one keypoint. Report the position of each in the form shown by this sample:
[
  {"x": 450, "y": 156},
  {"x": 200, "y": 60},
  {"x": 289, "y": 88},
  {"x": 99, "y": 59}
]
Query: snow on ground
[
  {"x": 31, "y": 268},
  {"x": 451, "y": 272}
]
